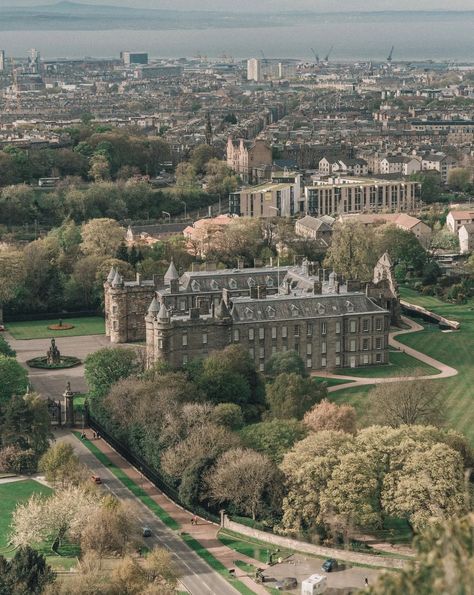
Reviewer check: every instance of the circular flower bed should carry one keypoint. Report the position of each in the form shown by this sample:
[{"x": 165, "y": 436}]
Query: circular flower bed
[
  {"x": 67, "y": 361},
  {"x": 60, "y": 327}
]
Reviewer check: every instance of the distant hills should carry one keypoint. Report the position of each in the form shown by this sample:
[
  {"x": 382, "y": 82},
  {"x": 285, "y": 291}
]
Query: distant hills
[{"x": 66, "y": 15}]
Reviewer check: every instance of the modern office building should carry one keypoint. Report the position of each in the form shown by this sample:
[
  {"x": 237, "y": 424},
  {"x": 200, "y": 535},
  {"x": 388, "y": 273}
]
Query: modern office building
[
  {"x": 357, "y": 195},
  {"x": 130, "y": 58},
  {"x": 271, "y": 199}
]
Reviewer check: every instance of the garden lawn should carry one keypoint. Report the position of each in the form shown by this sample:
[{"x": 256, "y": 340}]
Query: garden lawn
[
  {"x": 38, "y": 329},
  {"x": 401, "y": 364},
  {"x": 331, "y": 381},
  {"x": 247, "y": 546},
  {"x": 14, "y": 493}
]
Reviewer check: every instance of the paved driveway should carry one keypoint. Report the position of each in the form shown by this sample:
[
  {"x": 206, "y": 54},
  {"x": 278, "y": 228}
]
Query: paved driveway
[
  {"x": 51, "y": 383},
  {"x": 196, "y": 575}
]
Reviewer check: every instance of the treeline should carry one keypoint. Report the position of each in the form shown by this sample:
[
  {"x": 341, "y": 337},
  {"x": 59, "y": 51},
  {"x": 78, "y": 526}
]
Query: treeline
[
  {"x": 93, "y": 153},
  {"x": 273, "y": 449},
  {"x": 23, "y": 205}
]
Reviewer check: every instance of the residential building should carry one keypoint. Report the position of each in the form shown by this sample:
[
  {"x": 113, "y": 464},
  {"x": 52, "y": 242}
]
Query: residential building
[
  {"x": 440, "y": 163},
  {"x": 254, "y": 70},
  {"x": 246, "y": 157},
  {"x": 268, "y": 200},
  {"x": 399, "y": 164},
  {"x": 319, "y": 229},
  {"x": 456, "y": 219},
  {"x": 3, "y": 64},
  {"x": 358, "y": 195},
  {"x": 343, "y": 166},
  {"x": 466, "y": 238}
]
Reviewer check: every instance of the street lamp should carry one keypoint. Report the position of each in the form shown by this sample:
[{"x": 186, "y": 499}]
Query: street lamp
[
  {"x": 185, "y": 209},
  {"x": 168, "y": 215}
]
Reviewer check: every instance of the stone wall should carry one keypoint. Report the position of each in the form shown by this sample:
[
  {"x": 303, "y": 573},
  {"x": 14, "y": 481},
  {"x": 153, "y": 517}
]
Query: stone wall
[{"x": 308, "y": 548}]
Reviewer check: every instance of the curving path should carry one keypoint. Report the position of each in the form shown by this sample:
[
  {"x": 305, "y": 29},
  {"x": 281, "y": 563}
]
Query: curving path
[{"x": 445, "y": 371}]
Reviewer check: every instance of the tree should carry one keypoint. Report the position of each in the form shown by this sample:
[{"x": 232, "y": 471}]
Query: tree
[
  {"x": 290, "y": 396},
  {"x": 156, "y": 576},
  {"x": 12, "y": 274},
  {"x": 443, "y": 563},
  {"x": 273, "y": 438},
  {"x": 27, "y": 573},
  {"x": 14, "y": 459},
  {"x": 430, "y": 186},
  {"x": 353, "y": 251},
  {"x": 408, "y": 402},
  {"x": 101, "y": 237},
  {"x": 5, "y": 348},
  {"x": 186, "y": 177},
  {"x": 14, "y": 379},
  {"x": 329, "y": 416},
  {"x": 228, "y": 415},
  {"x": 105, "y": 367},
  {"x": 242, "y": 477},
  {"x": 402, "y": 246},
  {"x": 219, "y": 178},
  {"x": 286, "y": 362},
  {"x": 99, "y": 168},
  {"x": 201, "y": 155},
  {"x": 459, "y": 178},
  {"x": 61, "y": 466}
]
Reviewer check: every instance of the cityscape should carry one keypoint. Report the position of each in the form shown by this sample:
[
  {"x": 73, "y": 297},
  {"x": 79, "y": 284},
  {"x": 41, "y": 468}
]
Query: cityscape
[{"x": 236, "y": 298}]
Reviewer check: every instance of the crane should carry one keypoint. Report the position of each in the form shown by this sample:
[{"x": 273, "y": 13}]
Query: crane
[
  {"x": 389, "y": 58},
  {"x": 263, "y": 57},
  {"x": 315, "y": 55},
  {"x": 326, "y": 59}
]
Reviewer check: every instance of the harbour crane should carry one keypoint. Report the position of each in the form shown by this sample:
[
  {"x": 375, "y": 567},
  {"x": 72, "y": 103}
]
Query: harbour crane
[
  {"x": 316, "y": 56},
  {"x": 389, "y": 58},
  {"x": 326, "y": 59}
]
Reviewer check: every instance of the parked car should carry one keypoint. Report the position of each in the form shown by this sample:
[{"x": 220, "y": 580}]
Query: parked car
[
  {"x": 329, "y": 565},
  {"x": 96, "y": 479},
  {"x": 289, "y": 582},
  {"x": 146, "y": 532}
]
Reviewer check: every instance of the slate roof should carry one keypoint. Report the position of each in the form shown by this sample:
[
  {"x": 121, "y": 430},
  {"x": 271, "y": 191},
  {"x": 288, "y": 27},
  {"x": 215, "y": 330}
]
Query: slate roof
[
  {"x": 232, "y": 279},
  {"x": 294, "y": 307},
  {"x": 314, "y": 223}
]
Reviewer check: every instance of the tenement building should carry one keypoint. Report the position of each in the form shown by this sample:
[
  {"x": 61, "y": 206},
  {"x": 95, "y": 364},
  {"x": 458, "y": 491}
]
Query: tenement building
[
  {"x": 359, "y": 195},
  {"x": 330, "y": 322}
]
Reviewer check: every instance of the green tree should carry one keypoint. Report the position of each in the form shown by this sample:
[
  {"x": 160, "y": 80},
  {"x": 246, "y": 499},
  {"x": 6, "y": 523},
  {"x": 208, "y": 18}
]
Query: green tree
[
  {"x": 219, "y": 178},
  {"x": 101, "y": 237},
  {"x": 186, "y": 177},
  {"x": 291, "y": 396},
  {"x": 273, "y": 438},
  {"x": 286, "y": 362},
  {"x": 5, "y": 348},
  {"x": 201, "y": 155},
  {"x": 61, "y": 465},
  {"x": 402, "y": 246},
  {"x": 103, "y": 369},
  {"x": 12, "y": 274},
  {"x": 25, "y": 423},
  {"x": 27, "y": 573},
  {"x": 228, "y": 415},
  {"x": 14, "y": 379},
  {"x": 353, "y": 251},
  {"x": 459, "y": 178}
]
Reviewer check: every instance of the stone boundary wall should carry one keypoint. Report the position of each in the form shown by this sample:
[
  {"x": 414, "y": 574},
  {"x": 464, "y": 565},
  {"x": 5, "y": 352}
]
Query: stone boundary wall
[
  {"x": 316, "y": 550},
  {"x": 452, "y": 324}
]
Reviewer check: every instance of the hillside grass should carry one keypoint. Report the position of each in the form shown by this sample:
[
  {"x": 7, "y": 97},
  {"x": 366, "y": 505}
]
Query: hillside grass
[
  {"x": 454, "y": 348},
  {"x": 38, "y": 329}
]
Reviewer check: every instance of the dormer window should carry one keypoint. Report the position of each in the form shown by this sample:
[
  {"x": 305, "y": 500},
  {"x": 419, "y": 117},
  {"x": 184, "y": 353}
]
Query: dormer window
[
  {"x": 214, "y": 284},
  {"x": 269, "y": 282},
  {"x": 251, "y": 282},
  {"x": 349, "y": 306},
  {"x": 232, "y": 284},
  {"x": 195, "y": 286},
  {"x": 271, "y": 312},
  {"x": 321, "y": 308},
  {"x": 249, "y": 313},
  {"x": 294, "y": 310}
]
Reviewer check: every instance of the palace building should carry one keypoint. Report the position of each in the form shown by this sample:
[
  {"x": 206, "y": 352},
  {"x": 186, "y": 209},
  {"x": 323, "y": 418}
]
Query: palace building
[{"x": 332, "y": 323}]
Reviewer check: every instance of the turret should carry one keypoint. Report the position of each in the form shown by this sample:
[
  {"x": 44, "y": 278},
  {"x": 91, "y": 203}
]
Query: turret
[
  {"x": 171, "y": 274},
  {"x": 111, "y": 275}
]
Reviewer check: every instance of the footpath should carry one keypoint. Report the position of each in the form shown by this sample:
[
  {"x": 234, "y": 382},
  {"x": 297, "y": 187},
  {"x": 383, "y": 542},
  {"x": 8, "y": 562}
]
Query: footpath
[{"x": 204, "y": 531}]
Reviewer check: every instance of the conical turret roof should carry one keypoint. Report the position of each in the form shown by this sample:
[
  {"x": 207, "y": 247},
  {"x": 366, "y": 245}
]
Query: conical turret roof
[
  {"x": 171, "y": 273},
  {"x": 222, "y": 311},
  {"x": 118, "y": 280},
  {"x": 154, "y": 306},
  {"x": 111, "y": 275},
  {"x": 163, "y": 314}
]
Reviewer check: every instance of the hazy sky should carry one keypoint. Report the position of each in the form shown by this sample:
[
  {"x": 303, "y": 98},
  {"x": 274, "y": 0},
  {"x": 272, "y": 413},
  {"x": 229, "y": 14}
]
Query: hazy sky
[{"x": 261, "y": 5}]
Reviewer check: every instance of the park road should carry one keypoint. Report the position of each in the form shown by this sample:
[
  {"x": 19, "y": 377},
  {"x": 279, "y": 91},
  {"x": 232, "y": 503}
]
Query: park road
[{"x": 195, "y": 574}]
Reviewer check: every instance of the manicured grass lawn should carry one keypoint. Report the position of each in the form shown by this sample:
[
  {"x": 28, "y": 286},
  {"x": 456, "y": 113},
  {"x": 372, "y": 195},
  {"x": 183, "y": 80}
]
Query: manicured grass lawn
[
  {"x": 38, "y": 329},
  {"x": 12, "y": 494},
  {"x": 130, "y": 484},
  {"x": 401, "y": 364},
  {"x": 453, "y": 348}
]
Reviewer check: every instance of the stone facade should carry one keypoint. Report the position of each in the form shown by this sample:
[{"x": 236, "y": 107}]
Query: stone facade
[
  {"x": 245, "y": 157},
  {"x": 331, "y": 324}
]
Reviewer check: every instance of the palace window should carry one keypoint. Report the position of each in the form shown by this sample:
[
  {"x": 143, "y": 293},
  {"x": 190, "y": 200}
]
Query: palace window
[
  {"x": 323, "y": 347},
  {"x": 352, "y": 345},
  {"x": 284, "y": 332},
  {"x": 378, "y": 324},
  {"x": 251, "y": 334},
  {"x": 338, "y": 328},
  {"x": 365, "y": 325},
  {"x": 365, "y": 345},
  {"x": 261, "y": 333},
  {"x": 324, "y": 328},
  {"x": 353, "y": 326},
  {"x": 309, "y": 330},
  {"x": 236, "y": 335},
  {"x": 338, "y": 347},
  {"x": 274, "y": 332},
  {"x": 185, "y": 339},
  {"x": 378, "y": 343},
  {"x": 309, "y": 349},
  {"x": 204, "y": 338}
]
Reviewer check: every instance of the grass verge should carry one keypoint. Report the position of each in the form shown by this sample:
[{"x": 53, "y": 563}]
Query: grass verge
[
  {"x": 38, "y": 329},
  {"x": 131, "y": 485},
  {"x": 401, "y": 364},
  {"x": 215, "y": 564}
]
